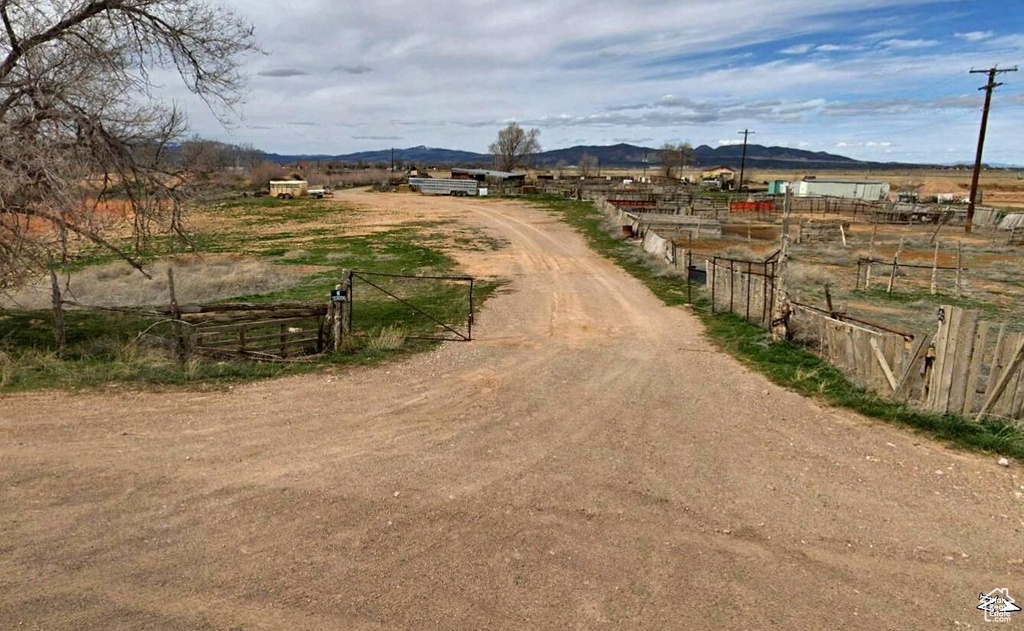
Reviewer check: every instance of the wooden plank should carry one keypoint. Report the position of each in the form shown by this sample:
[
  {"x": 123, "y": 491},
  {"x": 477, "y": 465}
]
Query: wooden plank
[
  {"x": 1017, "y": 408},
  {"x": 849, "y": 352},
  {"x": 254, "y": 324},
  {"x": 971, "y": 401},
  {"x": 995, "y": 365},
  {"x": 955, "y": 319},
  {"x": 246, "y": 306},
  {"x": 961, "y": 367},
  {"x": 884, "y": 364},
  {"x": 1002, "y": 405},
  {"x": 217, "y": 346},
  {"x": 251, "y": 340},
  {"x": 201, "y": 319},
  {"x": 941, "y": 337},
  {"x": 1004, "y": 377},
  {"x": 918, "y": 352}
]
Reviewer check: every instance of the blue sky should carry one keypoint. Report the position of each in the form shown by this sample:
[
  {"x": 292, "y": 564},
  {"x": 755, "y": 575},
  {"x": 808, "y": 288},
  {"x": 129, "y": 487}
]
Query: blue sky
[{"x": 873, "y": 79}]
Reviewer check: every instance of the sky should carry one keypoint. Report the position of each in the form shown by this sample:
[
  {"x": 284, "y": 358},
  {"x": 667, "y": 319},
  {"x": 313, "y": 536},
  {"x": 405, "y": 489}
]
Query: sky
[{"x": 872, "y": 79}]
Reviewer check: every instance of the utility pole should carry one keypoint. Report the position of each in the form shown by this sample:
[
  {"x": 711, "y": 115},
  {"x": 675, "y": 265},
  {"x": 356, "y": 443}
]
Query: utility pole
[
  {"x": 743, "y": 160},
  {"x": 392, "y": 159},
  {"x": 988, "y": 88},
  {"x": 645, "y": 165}
]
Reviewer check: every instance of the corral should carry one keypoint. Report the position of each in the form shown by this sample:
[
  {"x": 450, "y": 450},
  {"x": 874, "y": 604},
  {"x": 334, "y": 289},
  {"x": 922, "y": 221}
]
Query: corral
[{"x": 880, "y": 267}]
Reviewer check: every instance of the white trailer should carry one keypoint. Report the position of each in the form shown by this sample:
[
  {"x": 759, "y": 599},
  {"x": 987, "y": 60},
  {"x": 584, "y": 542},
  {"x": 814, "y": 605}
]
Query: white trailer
[
  {"x": 289, "y": 189},
  {"x": 432, "y": 186},
  {"x": 869, "y": 191}
]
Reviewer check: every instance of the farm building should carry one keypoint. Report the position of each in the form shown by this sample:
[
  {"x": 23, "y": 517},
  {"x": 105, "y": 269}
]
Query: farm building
[
  {"x": 723, "y": 173},
  {"x": 289, "y": 189},
  {"x": 777, "y": 187},
  {"x": 850, "y": 189}
]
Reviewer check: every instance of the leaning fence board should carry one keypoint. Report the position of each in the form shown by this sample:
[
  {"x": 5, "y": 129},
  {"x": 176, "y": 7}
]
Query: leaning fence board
[
  {"x": 1017, "y": 407},
  {"x": 1003, "y": 402},
  {"x": 941, "y": 337},
  {"x": 997, "y": 355},
  {"x": 884, "y": 364},
  {"x": 1011, "y": 370},
  {"x": 965, "y": 335},
  {"x": 955, "y": 318},
  {"x": 971, "y": 402},
  {"x": 918, "y": 352}
]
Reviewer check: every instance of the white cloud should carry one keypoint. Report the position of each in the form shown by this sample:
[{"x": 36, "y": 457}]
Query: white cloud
[
  {"x": 837, "y": 48},
  {"x": 975, "y": 36},
  {"x": 799, "y": 49},
  {"x": 366, "y": 71},
  {"x": 908, "y": 44}
]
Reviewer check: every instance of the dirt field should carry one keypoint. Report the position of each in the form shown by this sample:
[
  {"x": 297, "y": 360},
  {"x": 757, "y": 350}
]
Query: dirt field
[{"x": 590, "y": 462}]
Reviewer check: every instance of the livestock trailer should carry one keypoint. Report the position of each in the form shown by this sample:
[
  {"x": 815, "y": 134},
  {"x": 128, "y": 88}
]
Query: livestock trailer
[
  {"x": 289, "y": 189},
  {"x": 432, "y": 186}
]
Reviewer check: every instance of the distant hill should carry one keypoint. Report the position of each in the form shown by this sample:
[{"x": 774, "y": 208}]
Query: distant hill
[{"x": 612, "y": 156}]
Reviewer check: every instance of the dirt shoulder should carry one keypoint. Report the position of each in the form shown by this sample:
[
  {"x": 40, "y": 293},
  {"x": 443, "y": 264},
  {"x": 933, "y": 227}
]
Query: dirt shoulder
[{"x": 590, "y": 461}]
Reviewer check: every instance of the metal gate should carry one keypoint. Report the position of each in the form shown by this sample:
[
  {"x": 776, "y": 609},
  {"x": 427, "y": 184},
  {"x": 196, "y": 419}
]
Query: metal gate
[{"x": 426, "y": 307}]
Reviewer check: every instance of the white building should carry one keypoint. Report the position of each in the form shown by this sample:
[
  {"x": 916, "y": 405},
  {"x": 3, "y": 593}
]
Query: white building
[{"x": 850, "y": 189}]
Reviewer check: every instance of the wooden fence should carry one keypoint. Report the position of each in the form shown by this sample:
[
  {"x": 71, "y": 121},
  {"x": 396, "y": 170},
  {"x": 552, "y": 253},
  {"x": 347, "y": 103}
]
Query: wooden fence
[
  {"x": 885, "y": 362},
  {"x": 746, "y": 288},
  {"x": 978, "y": 367},
  {"x": 283, "y": 330}
]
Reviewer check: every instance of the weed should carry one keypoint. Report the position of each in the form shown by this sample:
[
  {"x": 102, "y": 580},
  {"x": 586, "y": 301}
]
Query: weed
[{"x": 389, "y": 338}]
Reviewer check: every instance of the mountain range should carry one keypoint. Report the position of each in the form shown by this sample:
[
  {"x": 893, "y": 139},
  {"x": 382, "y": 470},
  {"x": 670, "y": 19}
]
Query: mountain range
[{"x": 619, "y": 156}]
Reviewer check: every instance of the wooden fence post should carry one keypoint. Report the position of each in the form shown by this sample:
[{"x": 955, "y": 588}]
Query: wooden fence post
[
  {"x": 959, "y": 268},
  {"x": 871, "y": 258},
  {"x": 336, "y": 318},
  {"x": 895, "y": 266},
  {"x": 179, "y": 330},
  {"x": 59, "y": 334},
  {"x": 780, "y": 304},
  {"x": 346, "y": 307},
  {"x": 935, "y": 270}
]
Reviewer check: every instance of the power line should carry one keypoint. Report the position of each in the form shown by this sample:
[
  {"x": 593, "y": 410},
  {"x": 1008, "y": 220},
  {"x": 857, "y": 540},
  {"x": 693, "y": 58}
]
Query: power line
[
  {"x": 743, "y": 160},
  {"x": 988, "y": 88}
]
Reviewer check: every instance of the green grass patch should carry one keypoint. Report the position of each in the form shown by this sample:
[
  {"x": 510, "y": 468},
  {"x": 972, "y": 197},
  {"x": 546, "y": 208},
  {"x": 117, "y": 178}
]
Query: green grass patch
[
  {"x": 105, "y": 348},
  {"x": 785, "y": 363}
]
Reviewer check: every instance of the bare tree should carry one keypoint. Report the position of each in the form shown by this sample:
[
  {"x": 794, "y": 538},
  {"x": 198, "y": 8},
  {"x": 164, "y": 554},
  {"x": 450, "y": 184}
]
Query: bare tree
[
  {"x": 261, "y": 175},
  {"x": 674, "y": 158},
  {"x": 588, "y": 164},
  {"x": 515, "y": 147},
  {"x": 79, "y": 125}
]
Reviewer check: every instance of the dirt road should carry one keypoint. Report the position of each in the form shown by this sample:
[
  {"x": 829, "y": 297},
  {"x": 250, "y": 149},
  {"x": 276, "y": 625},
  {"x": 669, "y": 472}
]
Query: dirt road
[{"x": 590, "y": 462}]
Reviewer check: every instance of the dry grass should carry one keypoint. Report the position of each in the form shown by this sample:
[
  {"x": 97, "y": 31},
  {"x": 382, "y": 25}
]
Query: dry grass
[
  {"x": 389, "y": 338},
  {"x": 198, "y": 278}
]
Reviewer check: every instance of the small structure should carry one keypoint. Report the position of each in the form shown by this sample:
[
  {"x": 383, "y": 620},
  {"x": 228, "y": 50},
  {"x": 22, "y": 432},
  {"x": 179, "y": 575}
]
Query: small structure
[
  {"x": 778, "y": 187},
  {"x": 488, "y": 175},
  {"x": 453, "y": 187},
  {"x": 849, "y": 189},
  {"x": 289, "y": 189},
  {"x": 719, "y": 173}
]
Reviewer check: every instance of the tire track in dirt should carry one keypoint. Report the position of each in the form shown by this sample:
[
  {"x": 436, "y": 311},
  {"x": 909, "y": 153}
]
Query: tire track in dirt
[{"x": 579, "y": 465}]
